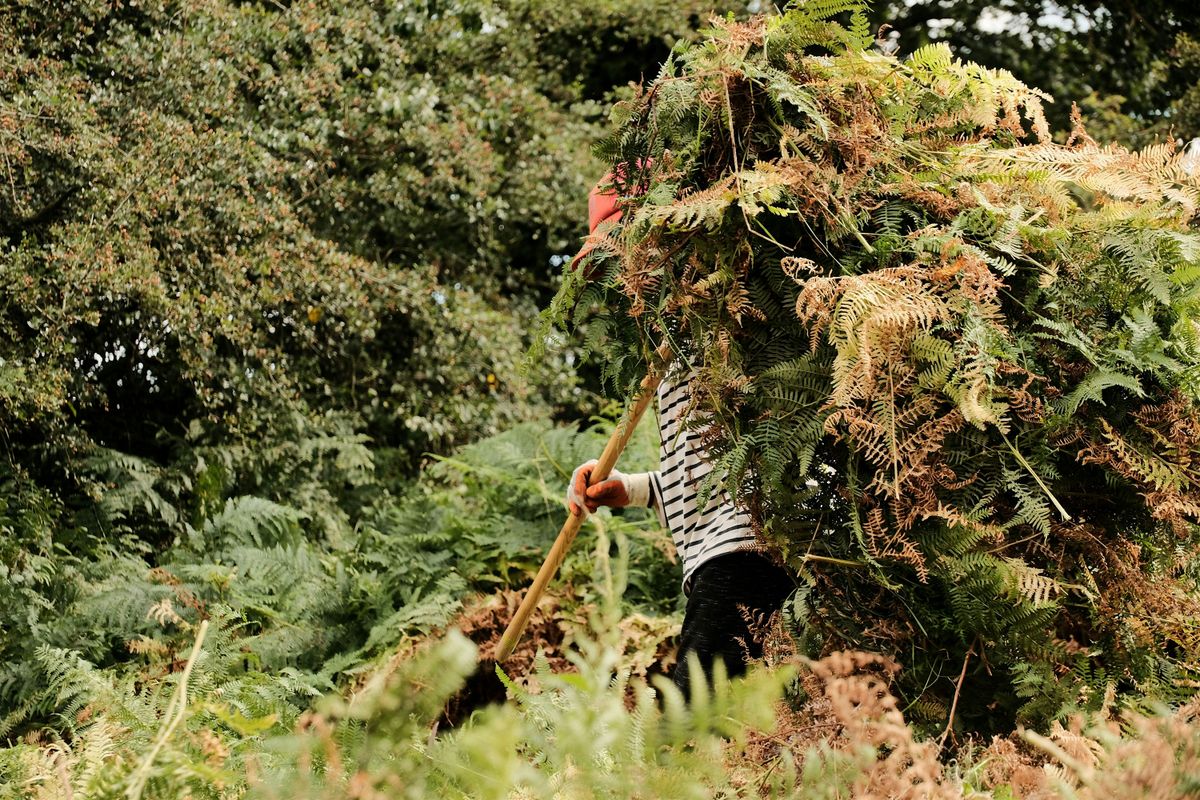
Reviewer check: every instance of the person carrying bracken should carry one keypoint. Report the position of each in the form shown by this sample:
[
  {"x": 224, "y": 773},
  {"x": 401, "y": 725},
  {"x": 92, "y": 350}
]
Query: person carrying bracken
[{"x": 729, "y": 582}]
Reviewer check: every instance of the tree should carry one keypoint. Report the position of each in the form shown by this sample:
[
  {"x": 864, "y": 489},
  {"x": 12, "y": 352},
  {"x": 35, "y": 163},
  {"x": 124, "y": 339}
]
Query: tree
[
  {"x": 1074, "y": 49},
  {"x": 224, "y": 212}
]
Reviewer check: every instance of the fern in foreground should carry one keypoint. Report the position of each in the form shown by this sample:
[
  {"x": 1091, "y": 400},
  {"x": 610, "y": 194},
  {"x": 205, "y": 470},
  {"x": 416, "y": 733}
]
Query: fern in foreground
[
  {"x": 204, "y": 707},
  {"x": 589, "y": 732}
]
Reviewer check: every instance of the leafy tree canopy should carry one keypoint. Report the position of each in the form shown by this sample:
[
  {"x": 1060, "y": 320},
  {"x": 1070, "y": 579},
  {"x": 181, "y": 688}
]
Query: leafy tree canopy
[{"x": 1075, "y": 49}]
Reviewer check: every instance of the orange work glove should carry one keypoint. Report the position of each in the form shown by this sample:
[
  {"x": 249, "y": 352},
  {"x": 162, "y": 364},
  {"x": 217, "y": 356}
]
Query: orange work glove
[{"x": 618, "y": 491}]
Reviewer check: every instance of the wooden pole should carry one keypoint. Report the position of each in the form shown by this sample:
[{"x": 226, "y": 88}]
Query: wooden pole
[{"x": 608, "y": 460}]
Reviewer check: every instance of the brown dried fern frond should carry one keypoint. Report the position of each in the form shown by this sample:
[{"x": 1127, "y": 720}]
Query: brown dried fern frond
[
  {"x": 1155, "y": 174},
  {"x": 856, "y": 688},
  {"x": 870, "y": 319}
]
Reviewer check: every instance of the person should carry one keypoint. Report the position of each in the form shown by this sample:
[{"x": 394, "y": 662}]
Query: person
[{"x": 731, "y": 584}]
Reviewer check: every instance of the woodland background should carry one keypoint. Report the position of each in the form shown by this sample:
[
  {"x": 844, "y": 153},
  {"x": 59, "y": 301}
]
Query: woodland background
[{"x": 270, "y": 275}]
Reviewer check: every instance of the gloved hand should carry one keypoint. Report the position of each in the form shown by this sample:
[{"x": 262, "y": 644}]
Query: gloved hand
[{"x": 618, "y": 491}]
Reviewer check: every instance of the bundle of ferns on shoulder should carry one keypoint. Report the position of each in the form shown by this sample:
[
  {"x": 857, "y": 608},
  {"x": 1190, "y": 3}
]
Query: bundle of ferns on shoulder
[{"x": 951, "y": 366}]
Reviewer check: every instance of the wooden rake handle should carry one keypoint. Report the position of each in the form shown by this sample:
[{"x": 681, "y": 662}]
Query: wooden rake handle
[{"x": 608, "y": 460}]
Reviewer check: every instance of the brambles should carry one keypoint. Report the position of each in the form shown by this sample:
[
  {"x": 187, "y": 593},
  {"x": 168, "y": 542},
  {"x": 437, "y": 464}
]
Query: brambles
[{"x": 978, "y": 344}]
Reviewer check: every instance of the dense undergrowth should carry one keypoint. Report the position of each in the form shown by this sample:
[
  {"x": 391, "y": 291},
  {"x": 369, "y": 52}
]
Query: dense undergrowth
[
  {"x": 209, "y": 700},
  {"x": 295, "y": 613},
  {"x": 288, "y": 618}
]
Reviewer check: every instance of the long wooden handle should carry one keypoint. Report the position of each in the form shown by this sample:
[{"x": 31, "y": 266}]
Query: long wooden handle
[{"x": 608, "y": 460}]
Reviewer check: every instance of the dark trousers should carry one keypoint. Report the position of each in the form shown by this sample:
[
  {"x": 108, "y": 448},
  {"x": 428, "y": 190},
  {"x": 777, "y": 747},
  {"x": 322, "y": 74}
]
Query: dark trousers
[{"x": 730, "y": 594}]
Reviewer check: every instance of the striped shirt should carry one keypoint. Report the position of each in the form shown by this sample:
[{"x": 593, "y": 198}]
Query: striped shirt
[{"x": 699, "y": 535}]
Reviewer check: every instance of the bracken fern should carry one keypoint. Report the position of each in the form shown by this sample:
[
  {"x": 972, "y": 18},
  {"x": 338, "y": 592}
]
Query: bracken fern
[{"x": 884, "y": 280}]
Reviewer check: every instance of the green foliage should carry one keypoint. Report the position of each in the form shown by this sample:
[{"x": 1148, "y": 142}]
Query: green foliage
[
  {"x": 260, "y": 259},
  {"x": 228, "y": 223},
  {"x": 950, "y": 365},
  {"x": 576, "y": 733},
  {"x": 199, "y": 299},
  {"x": 1114, "y": 50},
  {"x": 592, "y": 732},
  {"x": 297, "y": 605}
]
